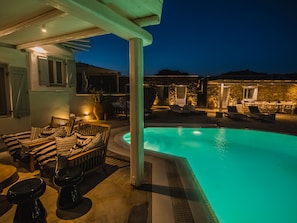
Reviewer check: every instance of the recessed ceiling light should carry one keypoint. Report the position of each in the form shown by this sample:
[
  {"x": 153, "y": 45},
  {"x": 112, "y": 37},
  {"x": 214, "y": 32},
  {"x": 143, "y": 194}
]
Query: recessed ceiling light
[
  {"x": 39, "y": 49},
  {"x": 43, "y": 29}
]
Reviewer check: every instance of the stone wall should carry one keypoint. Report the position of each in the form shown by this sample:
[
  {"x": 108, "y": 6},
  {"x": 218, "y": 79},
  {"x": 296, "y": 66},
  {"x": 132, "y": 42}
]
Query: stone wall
[
  {"x": 277, "y": 92},
  {"x": 270, "y": 92}
]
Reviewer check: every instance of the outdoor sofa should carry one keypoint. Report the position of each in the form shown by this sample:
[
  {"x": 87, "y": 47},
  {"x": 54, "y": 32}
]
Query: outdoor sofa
[{"x": 85, "y": 148}]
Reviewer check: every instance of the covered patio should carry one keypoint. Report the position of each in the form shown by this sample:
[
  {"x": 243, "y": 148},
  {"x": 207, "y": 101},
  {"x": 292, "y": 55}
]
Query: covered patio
[{"x": 51, "y": 25}]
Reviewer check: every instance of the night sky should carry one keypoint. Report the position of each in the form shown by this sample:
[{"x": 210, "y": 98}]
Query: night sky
[{"x": 210, "y": 37}]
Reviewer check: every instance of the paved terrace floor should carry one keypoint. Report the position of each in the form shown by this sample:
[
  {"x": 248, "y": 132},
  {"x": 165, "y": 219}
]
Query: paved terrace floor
[{"x": 169, "y": 193}]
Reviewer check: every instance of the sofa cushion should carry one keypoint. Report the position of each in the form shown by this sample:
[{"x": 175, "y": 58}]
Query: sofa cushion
[
  {"x": 58, "y": 132},
  {"x": 82, "y": 140},
  {"x": 12, "y": 141},
  {"x": 47, "y": 131},
  {"x": 95, "y": 142},
  {"x": 65, "y": 144},
  {"x": 45, "y": 153},
  {"x": 44, "y": 149},
  {"x": 29, "y": 144},
  {"x": 44, "y": 159}
]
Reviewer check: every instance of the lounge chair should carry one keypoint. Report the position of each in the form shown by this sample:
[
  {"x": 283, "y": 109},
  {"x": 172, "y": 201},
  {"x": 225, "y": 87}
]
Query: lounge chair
[
  {"x": 256, "y": 114},
  {"x": 234, "y": 114},
  {"x": 193, "y": 110},
  {"x": 179, "y": 110}
]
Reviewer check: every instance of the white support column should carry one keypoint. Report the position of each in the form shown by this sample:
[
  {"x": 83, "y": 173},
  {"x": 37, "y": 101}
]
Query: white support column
[{"x": 136, "y": 112}]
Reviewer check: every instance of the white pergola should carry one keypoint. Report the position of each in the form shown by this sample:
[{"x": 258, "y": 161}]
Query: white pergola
[{"x": 73, "y": 20}]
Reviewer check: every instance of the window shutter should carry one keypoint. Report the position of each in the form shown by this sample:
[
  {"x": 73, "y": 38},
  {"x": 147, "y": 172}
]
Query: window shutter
[
  {"x": 43, "y": 71},
  {"x": 255, "y": 93},
  {"x": 71, "y": 68},
  {"x": 20, "y": 96}
]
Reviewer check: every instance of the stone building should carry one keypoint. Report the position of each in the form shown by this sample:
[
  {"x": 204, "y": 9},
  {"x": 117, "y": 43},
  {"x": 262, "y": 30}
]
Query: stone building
[{"x": 271, "y": 92}]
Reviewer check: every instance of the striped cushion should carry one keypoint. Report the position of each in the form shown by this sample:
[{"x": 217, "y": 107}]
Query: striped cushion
[
  {"x": 43, "y": 149},
  {"x": 47, "y": 131},
  {"x": 88, "y": 129},
  {"x": 83, "y": 140},
  {"x": 49, "y": 157},
  {"x": 28, "y": 143},
  {"x": 45, "y": 153},
  {"x": 12, "y": 143},
  {"x": 85, "y": 143},
  {"x": 96, "y": 142},
  {"x": 65, "y": 144},
  {"x": 59, "y": 132}
]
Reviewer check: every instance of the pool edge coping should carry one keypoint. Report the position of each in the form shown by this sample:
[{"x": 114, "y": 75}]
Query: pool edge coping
[{"x": 184, "y": 170}]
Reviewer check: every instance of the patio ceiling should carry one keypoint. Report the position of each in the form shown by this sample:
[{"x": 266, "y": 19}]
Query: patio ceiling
[{"x": 70, "y": 20}]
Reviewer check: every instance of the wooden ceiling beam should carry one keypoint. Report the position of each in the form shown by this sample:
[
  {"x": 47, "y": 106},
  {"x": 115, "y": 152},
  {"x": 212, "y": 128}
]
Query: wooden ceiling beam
[
  {"x": 42, "y": 18},
  {"x": 100, "y": 15},
  {"x": 63, "y": 38}
]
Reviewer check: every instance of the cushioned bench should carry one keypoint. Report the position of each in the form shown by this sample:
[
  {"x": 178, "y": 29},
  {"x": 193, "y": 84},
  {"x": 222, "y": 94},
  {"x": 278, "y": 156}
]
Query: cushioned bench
[{"x": 15, "y": 142}]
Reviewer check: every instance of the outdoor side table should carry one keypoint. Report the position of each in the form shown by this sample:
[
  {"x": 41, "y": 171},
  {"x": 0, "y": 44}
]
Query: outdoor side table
[
  {"x": 8, "y": 175},
  {"x": 26, "y": 195},
  {"x": 68, "y": 179}
]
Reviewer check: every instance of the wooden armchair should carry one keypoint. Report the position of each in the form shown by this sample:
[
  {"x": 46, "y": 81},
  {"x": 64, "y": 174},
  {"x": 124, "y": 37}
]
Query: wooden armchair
[
  {"x": 67, "y": 123},
  {"x": 93, "y": 158},
  {"x": 87, "y": 160}
]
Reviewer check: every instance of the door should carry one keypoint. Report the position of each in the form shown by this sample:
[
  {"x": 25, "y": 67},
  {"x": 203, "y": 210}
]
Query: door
[
  {"x": 180, "y": 95},
  {"x": 225, "y": 96}
]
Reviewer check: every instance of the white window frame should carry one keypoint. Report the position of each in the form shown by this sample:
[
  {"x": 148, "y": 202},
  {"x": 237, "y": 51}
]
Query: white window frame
[
  {"x": 250, "y": 93},
  {"x": 48, "y": 76}
]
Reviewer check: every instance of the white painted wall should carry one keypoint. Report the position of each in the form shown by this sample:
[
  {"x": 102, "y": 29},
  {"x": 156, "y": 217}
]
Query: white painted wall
[
  {"x": 44, "y": 101},
  {"x": 45, "y": 104},
  {"x": 81, "y": 105}
]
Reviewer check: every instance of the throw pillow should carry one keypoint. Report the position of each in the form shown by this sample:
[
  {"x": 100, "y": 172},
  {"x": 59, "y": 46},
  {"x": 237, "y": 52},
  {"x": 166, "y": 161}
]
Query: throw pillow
[
  {"x": 96, "y": 142},
  {"x": 59, "y": 132},
  {"x": 46, "y": 131},
  {"x": 65, "y": 144},
  {"x": 83, "y": 140}
]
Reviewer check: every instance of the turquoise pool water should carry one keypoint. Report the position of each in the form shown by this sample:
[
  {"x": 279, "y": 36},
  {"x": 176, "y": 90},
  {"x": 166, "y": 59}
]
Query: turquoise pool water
[{"x": 247, "y": 176}]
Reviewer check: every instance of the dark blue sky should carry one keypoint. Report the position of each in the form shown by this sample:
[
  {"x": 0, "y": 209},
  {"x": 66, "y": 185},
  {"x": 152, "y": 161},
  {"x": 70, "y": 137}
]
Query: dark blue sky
[{"x": 209, "y": 37}]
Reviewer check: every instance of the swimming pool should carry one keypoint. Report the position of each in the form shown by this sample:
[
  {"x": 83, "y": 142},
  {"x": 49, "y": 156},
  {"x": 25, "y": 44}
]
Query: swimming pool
[{"x": 246, "y": 175}]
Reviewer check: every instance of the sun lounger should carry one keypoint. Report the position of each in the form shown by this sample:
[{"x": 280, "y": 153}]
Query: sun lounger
[
  {"x": 179, "y": 110},
  {"x": 256, "y": 114},
  {"x": 234, "y": 114},
  {"x": 193, "y": 110}
]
